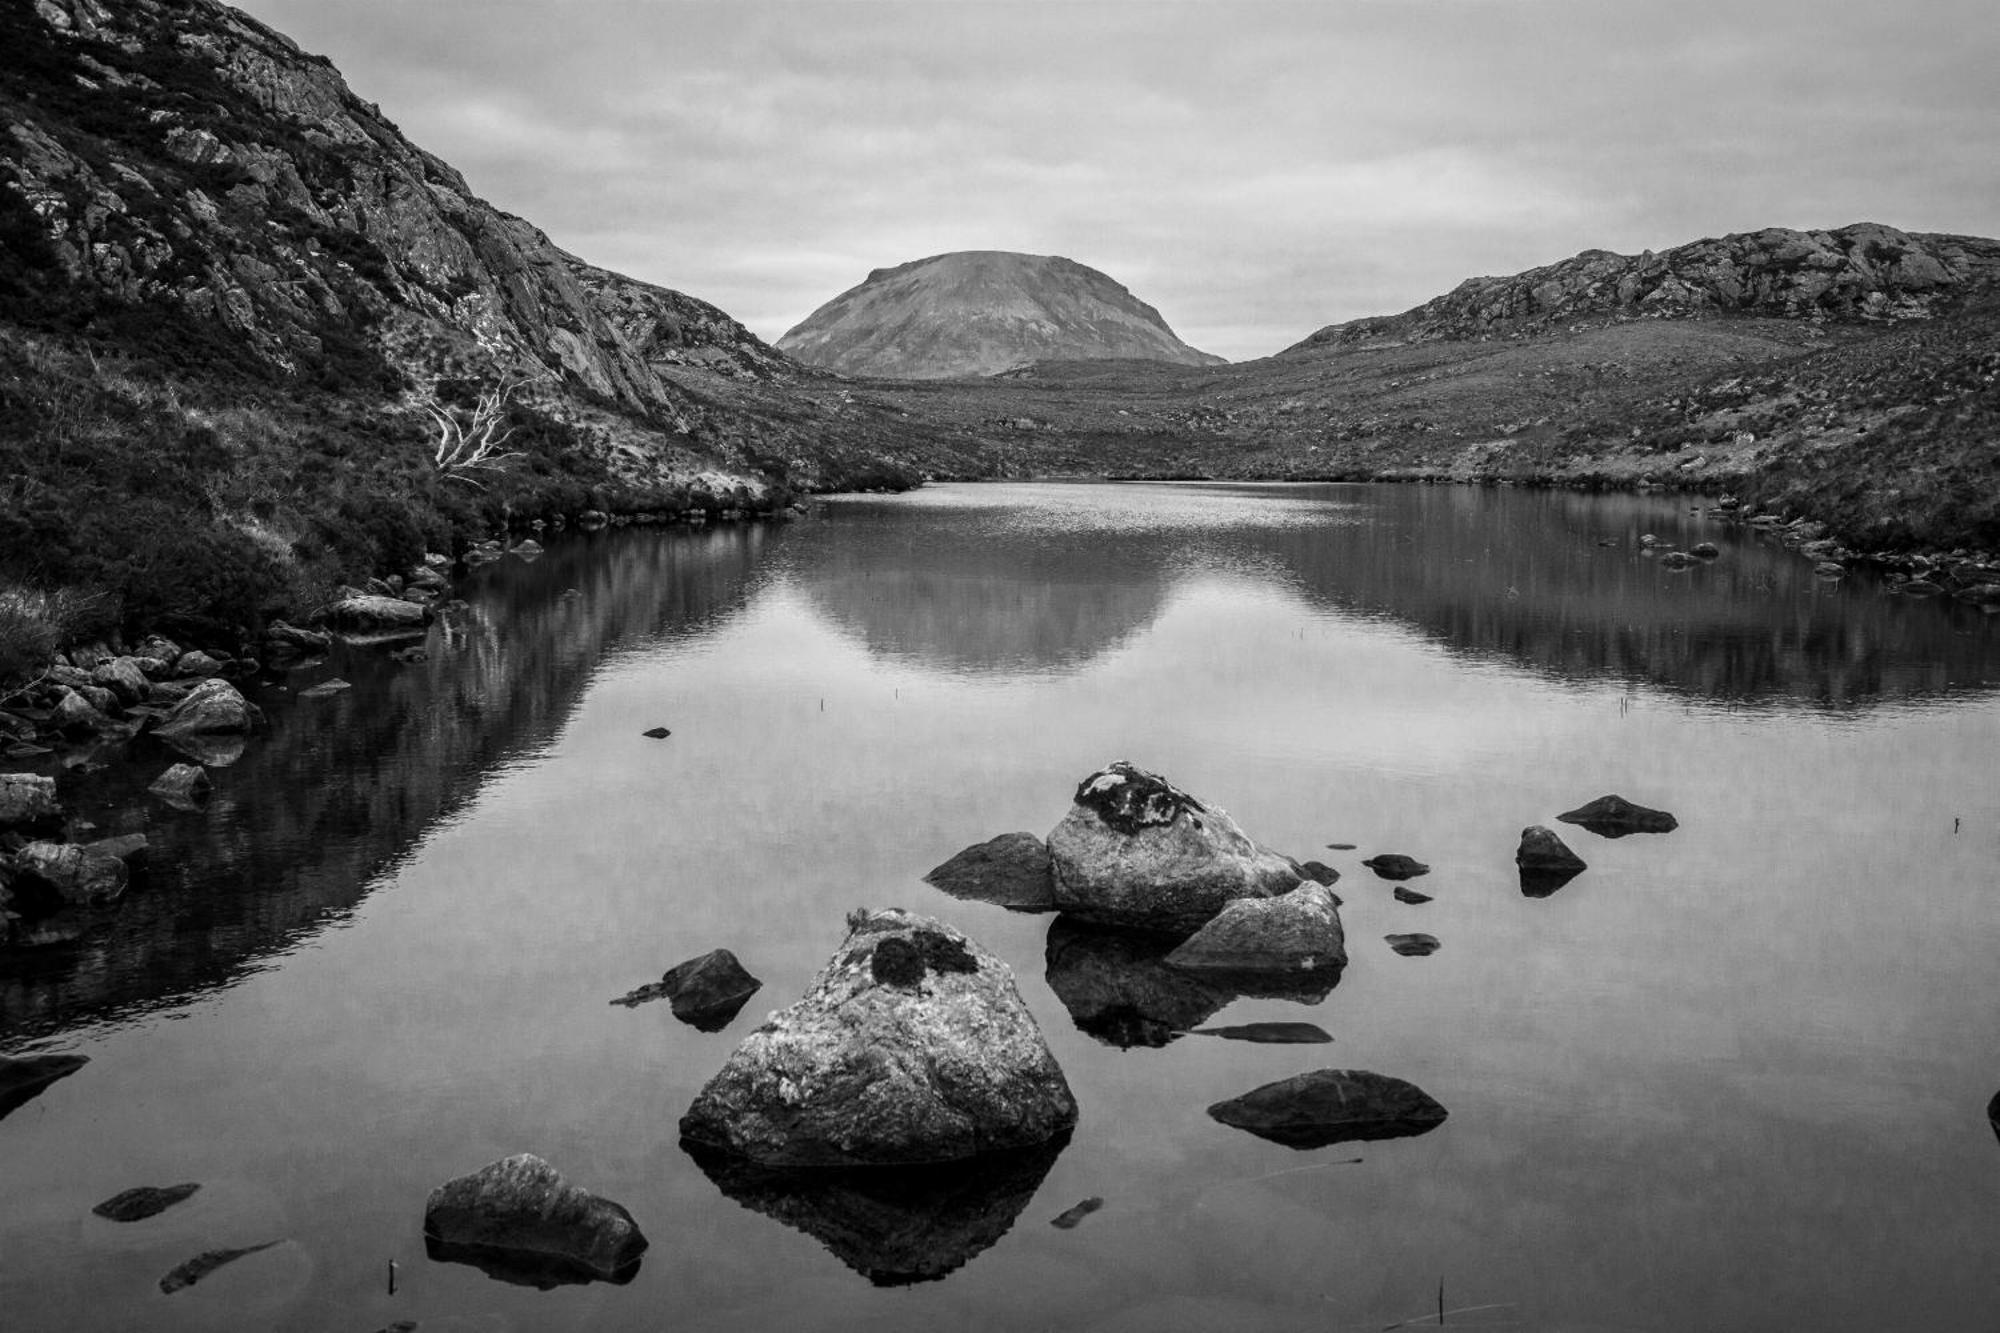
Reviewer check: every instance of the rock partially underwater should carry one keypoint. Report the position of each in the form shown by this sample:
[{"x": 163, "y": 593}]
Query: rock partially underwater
[
  {"x": 1297, "y": 932},
  {"x": 519, "y": 1221},
  {"x": 1330, "y": 1106},
  {"x": 1615, "y": 817},
  {"x": 1010, "y": 871},
  {"x": 911, "y": 1045},
  {"x": 1134, "y": 850}
]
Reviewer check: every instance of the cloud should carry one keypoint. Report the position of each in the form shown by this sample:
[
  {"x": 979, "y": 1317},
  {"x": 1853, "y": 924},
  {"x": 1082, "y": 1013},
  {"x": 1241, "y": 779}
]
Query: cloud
[{"x": 1254, "y": 170}]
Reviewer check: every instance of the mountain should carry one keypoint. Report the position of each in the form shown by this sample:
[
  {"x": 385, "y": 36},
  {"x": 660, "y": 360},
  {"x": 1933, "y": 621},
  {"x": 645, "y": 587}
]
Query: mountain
[
  {"x": 1865, "y": 272},
  {"x": 981, "y": 312}
]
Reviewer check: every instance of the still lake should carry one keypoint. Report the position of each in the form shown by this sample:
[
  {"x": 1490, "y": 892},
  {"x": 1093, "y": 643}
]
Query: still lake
[{"x": 1731, "y": 1077}]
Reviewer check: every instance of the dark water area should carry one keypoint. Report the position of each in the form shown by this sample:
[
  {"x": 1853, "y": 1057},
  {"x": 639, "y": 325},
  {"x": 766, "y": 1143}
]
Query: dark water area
[{"x": 1732, "y": 1076}]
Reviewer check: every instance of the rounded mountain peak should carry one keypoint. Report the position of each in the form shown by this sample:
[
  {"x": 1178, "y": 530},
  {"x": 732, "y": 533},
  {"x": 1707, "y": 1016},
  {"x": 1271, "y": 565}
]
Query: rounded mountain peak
[{"x": 980, "y": 312}]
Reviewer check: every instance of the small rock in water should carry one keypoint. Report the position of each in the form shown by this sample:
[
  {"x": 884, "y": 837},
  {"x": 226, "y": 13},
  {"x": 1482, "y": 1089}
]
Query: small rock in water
[
  {"x": 1404, "y": 895},
  {"x": 1340, "y": 847},
  {"x": 199, "y": 1267},
  {"x": 517, "y": 1219},
  {"x": 1676, "y": 560},
  {"x": 1075, "y": 1213},
  {"x": 708, "y": 991},
  {"x": 1332, "y": 1106},
  {"x": 1298, "y": 932},
  {"x": 1705, "y": 550},
  {"x": 326, "y": 689},
  {"x": 1830, "y": 569},
  {"x": 184, "y": 786},
  {"x": 656, "y": 733},
  {"x": 1542, "y": 850},
  {"x": 1413, "y": 946},
  {"x": 1614, "y": 817},
  {"x": 1011, "y": 870},
  {"x": 1395, "y": 865},
  {"x": 1319, "y": 872},
  {"x": 1271, "y": 1034},
  {"x": 143, "y": 1201}
]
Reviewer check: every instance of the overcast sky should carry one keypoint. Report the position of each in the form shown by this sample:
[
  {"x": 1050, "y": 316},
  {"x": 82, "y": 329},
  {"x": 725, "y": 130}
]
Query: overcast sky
[{"x": 1253, "y": 170}]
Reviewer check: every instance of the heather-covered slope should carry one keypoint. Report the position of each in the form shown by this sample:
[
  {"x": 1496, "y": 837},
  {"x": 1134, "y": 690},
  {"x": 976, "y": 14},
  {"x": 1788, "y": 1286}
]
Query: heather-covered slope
[{"x": 979, "y": 312}]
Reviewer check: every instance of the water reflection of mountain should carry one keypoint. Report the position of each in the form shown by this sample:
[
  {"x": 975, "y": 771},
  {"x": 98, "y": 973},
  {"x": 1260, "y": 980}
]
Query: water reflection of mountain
[
  {"x": 1551, "y": 581},
  {"x": 341, "y": 787}
]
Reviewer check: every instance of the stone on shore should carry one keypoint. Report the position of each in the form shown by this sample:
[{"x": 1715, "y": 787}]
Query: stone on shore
[
  {"x": 1011, "y": 870},
  {"x": 77, "y": 875},
  {"x": 1614, "y": 817},
  {"x": 1297, "y": 932},
  {"x": 912, "y": 1045},
  {"x": 214, "y": 707},
  {"x": 1136, "y": 851},
  {"x": 125, "y": 678},
  {"x": 518, "y": 1219},
  {"x": 28, "y": 800},
  {"x": 1332, "y": 1106},
  {"x": 358, "y": 610}
]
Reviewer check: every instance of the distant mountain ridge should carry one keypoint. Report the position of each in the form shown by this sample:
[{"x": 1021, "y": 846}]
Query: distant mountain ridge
[
  {"x": 1864, "y": 272},
  {"x": 980, "y": 312}
]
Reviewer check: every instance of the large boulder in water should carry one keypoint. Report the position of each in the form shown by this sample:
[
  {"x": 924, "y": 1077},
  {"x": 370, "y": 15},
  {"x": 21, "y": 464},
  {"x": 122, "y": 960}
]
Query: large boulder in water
[
  {"x": 519, "y": 1220},
  {"x": 1011, "y": 870},
  {"x": 1332, "y": 1106},
  {"x": 912, "y": 1045},
  {"x": 1134, "y": 850},
  {"x": 1614, "y": 817},
  {"x": 1297, "y": 932}
]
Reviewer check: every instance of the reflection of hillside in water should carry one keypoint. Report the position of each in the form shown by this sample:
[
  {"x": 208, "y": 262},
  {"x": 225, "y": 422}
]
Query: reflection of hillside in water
[
  {"x": 1513, "y": 576},
  {"x": 342, "y": 787}
]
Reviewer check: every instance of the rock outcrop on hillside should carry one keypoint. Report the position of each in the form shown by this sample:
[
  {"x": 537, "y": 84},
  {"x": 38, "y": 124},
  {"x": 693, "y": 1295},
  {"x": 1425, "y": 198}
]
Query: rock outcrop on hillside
[
  {"x": 1862, "y": 272},
  {"x": 980, "y": 312}
]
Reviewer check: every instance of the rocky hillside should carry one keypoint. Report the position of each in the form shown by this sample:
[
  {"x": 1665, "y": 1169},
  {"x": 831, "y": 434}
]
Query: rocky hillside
[
  {"x": 233, "y": 296},
  {"x": 1863, "y": 272},
  {"x": 980, "y": 312}
]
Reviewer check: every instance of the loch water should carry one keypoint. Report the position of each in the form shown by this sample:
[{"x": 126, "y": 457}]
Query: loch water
[{"x": 1731, "y": 1077}]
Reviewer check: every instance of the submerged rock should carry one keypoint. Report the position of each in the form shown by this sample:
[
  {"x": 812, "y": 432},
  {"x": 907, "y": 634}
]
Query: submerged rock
[
  {"x": 519, "y": 1220},
  {"x": 1416, "y": 945},
  {"x": 894, "y": 1225},
  {"x": 1332, "y": 1106},
  {"x": 1297, "y": 932},
  {"x": 25, "y": 1077},
  {"x": 199, "y": 1267},
  {"x": 1011, "y": 870},
  {"x": 143, "y": 1201},
  {"x": 28, "y": 800},
  {"x": 1076, "y": 1212},
  {"x": 1135, "y": 850},
  {"x": 326, "y": 689},
  {"x": 1411, "y": 896},
  {"x": 912, "y": 1045},
  {"x": 1395, "y": 865},
  {"x": 1270, "y": 1034},
  {"x": 1614, "y": 817}
]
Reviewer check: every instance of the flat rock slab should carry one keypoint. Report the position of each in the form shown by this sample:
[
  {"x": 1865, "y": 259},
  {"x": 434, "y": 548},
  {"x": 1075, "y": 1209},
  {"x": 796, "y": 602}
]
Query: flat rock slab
[
  {"x": 1330, "y": 1106},
  {"x": 911, "y": 1045},
  {"x": 1271, "y": 1034},
  {"x": 1395, "y": 865},
  {"x": 143, "y": 1201},
  {"x": 1411, "y": 896},
  {"x": 1010, "y": 871},
  {"x": 1414, "y": 945},
  {"x": 520, "y": 1216},
  {"x": 194, "y": 1270},
  {"x": 1615, "y": 817},
  {"x": 326, "y": 689}
]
